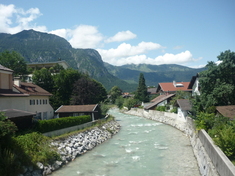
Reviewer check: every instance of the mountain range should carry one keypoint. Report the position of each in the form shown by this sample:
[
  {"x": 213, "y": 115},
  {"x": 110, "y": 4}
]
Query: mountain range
[{"x": 41, "y": 47}]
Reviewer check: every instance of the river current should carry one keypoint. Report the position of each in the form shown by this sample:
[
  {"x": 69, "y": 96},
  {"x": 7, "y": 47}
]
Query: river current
[{"x": 141, "y": 148}]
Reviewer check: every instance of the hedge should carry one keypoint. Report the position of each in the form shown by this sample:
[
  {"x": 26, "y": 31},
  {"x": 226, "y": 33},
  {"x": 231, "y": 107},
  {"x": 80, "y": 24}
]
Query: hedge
[{"x": 44, "y": 126}]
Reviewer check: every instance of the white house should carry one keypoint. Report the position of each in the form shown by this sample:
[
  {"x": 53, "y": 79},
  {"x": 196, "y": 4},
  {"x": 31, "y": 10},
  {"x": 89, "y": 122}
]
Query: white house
[
  {"x": 184, "y": 106},
  {"x": 23, "y": 96},
  {"x": 194, "y": 85}
]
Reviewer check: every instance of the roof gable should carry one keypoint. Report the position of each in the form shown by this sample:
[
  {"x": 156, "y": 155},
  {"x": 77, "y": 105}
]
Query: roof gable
[
  {"x": 227, "y": 111},
  {"x": 31, "y": 89},
  {"x": 76, "y": 108},
  {"x": 14, "y": 113},
  {"x": 184, "y": 104},
  {"x": 5, "y": 68},
  {"x": 158, "y": 100},
  {"x": 171, "y": 87}
]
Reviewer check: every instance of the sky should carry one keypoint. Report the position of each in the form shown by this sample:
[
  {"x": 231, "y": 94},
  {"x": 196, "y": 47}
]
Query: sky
[{"x": 184, "y": 32}]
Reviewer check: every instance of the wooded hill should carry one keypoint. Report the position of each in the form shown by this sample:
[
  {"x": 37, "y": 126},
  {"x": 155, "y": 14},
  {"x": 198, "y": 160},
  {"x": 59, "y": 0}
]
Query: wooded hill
[
  {"x": 153, "y": 74},
  {"x": 43, "y": 47}
]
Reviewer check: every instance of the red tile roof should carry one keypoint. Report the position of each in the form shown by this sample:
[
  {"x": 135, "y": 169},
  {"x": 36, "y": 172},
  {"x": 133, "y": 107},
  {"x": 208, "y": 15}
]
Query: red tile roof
[
  {"x": 76, "y": 108},
  {"x": 170, "y": 87},
  {"x": 227, "y": 111},
  {"x": 31, "y": 89}
]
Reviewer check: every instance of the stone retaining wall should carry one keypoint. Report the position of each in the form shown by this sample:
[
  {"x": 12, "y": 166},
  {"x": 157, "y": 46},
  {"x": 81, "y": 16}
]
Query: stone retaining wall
[
  {"x": 210, "y": 162},
  {"x": 73, "y": 146}
]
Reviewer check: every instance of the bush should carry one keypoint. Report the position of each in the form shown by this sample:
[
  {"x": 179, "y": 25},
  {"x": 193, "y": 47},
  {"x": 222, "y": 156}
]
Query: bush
[
  {"x": 130, "y": 103},
  {"x": 36, "y": 147},
  {"x": 104, "y": 109},
  {"x": 161, "y": 108},
  {"x": 119, "y": 102},
  {"x": 44, "y": 126},
  {"x": 225, "y": 139},
  {"x": 174, "y": 110}
]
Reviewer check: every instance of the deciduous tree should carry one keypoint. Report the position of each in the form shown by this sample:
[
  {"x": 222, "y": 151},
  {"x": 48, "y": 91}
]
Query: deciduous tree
[
  {"x": 87, "y": 91},
  {"x": 114, "y": 93},
  {"x": 14, "y": 61},
  {"x": 217, "y": 83}
]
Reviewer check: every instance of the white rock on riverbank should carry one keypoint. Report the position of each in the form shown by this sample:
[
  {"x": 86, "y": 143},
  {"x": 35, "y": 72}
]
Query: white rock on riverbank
[{"x": 75, "y": 145}]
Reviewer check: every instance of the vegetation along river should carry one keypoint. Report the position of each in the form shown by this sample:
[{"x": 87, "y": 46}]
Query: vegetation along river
[{"x": 142, "y": 147}]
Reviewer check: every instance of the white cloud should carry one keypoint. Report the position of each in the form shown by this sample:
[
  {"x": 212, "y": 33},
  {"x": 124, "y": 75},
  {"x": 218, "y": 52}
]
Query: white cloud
[
  {"x": 23, "y": 19},
  {"x": 125, "y": 50},
  {"x": 65, "y": 33},
  {"x": 121, "y": 36},
  {"x": 85, "y": 36},
  {"x": 181, "y": 58}
]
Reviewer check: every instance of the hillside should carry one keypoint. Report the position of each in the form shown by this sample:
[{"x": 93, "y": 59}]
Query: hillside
[
  {"x": 43, "y": 47},
  {"x": 153, "y": 74}
]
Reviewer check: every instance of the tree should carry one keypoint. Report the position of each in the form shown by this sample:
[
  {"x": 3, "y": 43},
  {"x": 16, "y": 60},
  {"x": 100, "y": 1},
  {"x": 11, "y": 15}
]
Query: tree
[
  {"x": 63, "y": 87},
  {"x": 44, "y": 79},
  {"x": 14, "y": 61},
  {"x": 142, "y": 93},
  {"x": 114, "y": 93},
  {"x": 6, "y": 126},
  {"x": 217, "y": 83},
  {"x": 87, "y": 91},
  {"x": 130, "y": 103},
  {"x": 119, "y": 102}
]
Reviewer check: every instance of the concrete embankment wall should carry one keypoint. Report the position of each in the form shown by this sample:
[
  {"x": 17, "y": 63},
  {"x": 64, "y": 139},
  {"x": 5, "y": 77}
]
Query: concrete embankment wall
[{"x": 211, "y": 160}]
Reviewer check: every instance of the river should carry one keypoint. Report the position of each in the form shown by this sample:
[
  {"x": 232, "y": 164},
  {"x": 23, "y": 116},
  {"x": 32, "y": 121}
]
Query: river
[{"x": 141, "y": 148}]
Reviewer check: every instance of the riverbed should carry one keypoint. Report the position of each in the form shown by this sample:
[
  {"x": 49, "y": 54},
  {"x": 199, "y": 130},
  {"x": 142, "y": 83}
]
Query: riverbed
[{"x": 142, "y": 147}]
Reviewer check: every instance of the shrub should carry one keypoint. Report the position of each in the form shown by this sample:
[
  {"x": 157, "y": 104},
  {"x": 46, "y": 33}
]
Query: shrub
[
  {"x": 44, "y": 126},
  {"x": 130, "y": 103},
  {"x": 174, "y": 110},
  {"x": 119, "y": 102},
  {"x": 104, "y": 109},
  {"x": 225, "y": 139},
  {"x": 36, "y": 147},
  {"x": 161, "y": 108}
]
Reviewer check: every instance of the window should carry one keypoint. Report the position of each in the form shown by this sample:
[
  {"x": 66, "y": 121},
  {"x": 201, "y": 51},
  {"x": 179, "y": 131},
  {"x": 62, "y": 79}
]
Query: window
[
  {"x": 40, "y": 101},
  {"x": 37, "y": 102},
  {"x": 33, "y": 102},
  {"x": 75, "y": 114},
  {"x": 44, "y": 115}
]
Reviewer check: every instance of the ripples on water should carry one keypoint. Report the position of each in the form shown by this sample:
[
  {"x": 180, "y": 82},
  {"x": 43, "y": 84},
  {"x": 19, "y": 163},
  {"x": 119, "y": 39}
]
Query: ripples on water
[{"x": 142, "y": 148}]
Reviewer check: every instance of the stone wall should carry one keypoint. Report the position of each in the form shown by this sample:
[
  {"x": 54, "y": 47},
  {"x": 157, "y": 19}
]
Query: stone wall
[
  {"x": 73, "y": 146},
  {"x": 210, "y": 162}
]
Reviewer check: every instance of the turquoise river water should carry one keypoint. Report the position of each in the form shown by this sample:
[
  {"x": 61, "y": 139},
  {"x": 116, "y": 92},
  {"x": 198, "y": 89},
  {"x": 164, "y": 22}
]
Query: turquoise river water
[{"x": 141, "y": 148}]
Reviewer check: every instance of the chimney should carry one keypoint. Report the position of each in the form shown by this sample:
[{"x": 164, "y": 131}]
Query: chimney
[
  {"x": 174, "y": 83},
  {"x": 17, "y": 81}
]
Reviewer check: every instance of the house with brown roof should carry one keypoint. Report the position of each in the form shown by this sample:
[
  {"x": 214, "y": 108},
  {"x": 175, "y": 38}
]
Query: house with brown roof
[
  {"x": 194, "y": 85},
  {"x": 173, "y": 87},
  {"x": 78, "y": 110},
  {"x": 152, "y": 90},
  {"x": 22, "y": 119},
  {"x": 161, "y": 100},
  {"x": 226, "y": 111},
  {"x": 184, "y": 106},
  {"x": 23, "y": 96}
]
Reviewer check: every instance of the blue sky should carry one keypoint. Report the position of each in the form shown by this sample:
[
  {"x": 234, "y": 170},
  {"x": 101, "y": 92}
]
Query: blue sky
[{"x": 184, "y": 32}]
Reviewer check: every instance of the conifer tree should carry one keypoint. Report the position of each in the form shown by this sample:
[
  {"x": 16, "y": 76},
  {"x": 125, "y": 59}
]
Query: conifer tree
[{"x": 142, "y": 93}]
